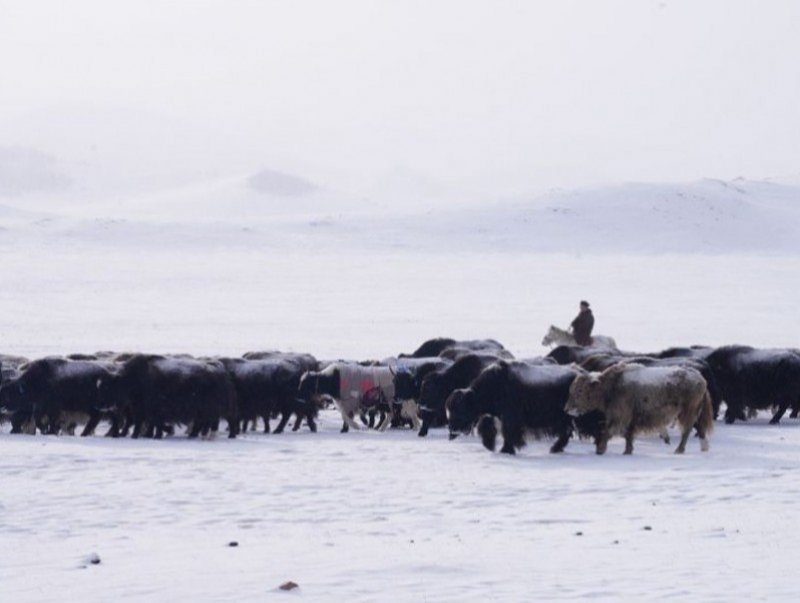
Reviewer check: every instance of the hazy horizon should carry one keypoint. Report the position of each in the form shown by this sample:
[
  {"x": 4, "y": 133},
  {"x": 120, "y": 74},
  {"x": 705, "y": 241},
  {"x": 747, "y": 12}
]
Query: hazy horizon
[{"x": 444, "y": 99}]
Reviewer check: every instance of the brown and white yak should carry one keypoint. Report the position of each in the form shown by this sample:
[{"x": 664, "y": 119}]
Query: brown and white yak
[{"x": 638, "y": 399}]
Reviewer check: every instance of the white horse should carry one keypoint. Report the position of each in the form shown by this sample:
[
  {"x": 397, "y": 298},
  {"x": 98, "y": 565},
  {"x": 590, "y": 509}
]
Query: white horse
[{"x": 556, "y": 336}]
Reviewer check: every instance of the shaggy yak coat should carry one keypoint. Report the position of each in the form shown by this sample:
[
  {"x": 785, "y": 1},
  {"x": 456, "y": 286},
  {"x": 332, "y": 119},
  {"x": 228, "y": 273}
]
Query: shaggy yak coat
[
  {"x": 637, "y": 399},
  {"x": 526, "y": 399}
]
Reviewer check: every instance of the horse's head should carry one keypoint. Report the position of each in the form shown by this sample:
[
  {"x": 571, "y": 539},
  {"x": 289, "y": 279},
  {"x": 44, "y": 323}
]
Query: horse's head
[{"x": 549, "y": 336}]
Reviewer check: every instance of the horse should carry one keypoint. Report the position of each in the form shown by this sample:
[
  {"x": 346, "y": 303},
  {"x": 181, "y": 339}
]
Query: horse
[{"x": 556, "y": 336}]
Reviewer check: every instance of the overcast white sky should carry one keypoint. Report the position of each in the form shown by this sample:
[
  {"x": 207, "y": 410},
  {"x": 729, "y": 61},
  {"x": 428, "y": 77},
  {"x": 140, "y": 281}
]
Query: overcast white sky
[{"x": 475, "y": 98}]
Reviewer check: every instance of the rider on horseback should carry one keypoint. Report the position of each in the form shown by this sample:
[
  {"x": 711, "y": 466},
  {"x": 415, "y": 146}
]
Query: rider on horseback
[{"x": 583, "y": 324}]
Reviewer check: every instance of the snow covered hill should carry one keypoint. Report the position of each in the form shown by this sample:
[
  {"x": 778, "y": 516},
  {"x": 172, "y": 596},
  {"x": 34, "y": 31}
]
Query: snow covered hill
[{"x": 279, "y": 211}]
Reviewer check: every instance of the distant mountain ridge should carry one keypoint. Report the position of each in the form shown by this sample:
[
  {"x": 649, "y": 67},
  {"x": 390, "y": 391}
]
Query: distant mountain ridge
[{"x": 702, "y": 217}]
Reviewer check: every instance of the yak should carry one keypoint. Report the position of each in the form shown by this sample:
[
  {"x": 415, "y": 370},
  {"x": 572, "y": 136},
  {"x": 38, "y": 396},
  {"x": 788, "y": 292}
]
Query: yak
[
  {"x": 353, "y": 388},
  {"x": 601, "y": 362},
  {"x": 634, "y": 399},
  {"x": 409, "y": 374},
  {"x": 55, "y": 392},
  {"x": 435, "y": 347},
  {"x": 266, "y": 387},
  {"x": 751, "y": 379},
  {"x": 437, "y": 386},
  {"x": 157, "y": 392},
  {"x": 524, "y": 398}
]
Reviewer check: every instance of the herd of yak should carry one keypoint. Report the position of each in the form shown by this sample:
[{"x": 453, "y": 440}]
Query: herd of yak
[{"x": 594, "y": 392}]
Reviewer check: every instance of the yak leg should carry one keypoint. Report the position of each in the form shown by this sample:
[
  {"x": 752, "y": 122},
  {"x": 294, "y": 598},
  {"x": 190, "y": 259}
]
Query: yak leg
[
  {"x": 512, "y": 437},
  {"x": 629, "y": 434},
  {"x": 701, "y": 433},
  {"x": 233, "y": 430},
  {"x": 312, "y": 425},
  {"x": 686, "y": 430},
  {"x": 795, "y": 409},
  {"x": 285, "y": 416},
  {"x": 776, "y": 418},
  {"x": 94, "y": 419},
  {"x": 561, "y": 442},
  {"x": 409, "y": 409},
  {"x": 601, "y": 442},
  {"x": 387, "y": 419},
  {"x": 47, "y": 424},
  {"x": 349, "y": 420},
  {"x": 297, "y": 422},
  {"x": 21, "y": 422},
  {"x": 113, "y": 431},
  {"x": 427, "y": 418}
]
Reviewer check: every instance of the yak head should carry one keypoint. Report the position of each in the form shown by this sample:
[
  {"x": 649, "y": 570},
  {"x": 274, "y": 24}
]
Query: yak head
[
  {"x": 461, "y": 412},
  {"x": 405, "y": 386},
  {"x": 431, "y": 393},
  {"x": 308, "y": 386},
  {"x": 585, "y": 394},
  {"x": 319, "y": 387},
  {"x": 112, "y": 392},
  {"x": 12, "y": 396}
]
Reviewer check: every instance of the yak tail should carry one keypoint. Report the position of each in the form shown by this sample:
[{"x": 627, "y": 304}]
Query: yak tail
[
  {"x": 487, "y": 429},
  {"x": 706, "y": 418}
]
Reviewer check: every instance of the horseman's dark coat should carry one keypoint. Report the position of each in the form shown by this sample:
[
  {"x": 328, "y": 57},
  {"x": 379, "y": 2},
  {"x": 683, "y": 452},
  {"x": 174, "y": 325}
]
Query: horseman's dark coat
[{"x": 582, "y": 327}]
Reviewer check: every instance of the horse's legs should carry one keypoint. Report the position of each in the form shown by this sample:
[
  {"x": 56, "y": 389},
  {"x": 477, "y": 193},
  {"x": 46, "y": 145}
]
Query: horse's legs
[{"x": 664, "y": 435}]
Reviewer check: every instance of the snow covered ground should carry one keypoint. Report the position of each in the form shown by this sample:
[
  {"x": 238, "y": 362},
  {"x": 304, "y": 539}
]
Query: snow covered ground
[
  {"x": 367, "y": 516},
  {"x": 392, "y": 517}
]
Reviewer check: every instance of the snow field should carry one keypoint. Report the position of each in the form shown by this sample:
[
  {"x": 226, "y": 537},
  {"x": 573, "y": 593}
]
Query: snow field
[{"x": 368, "y": 516}]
